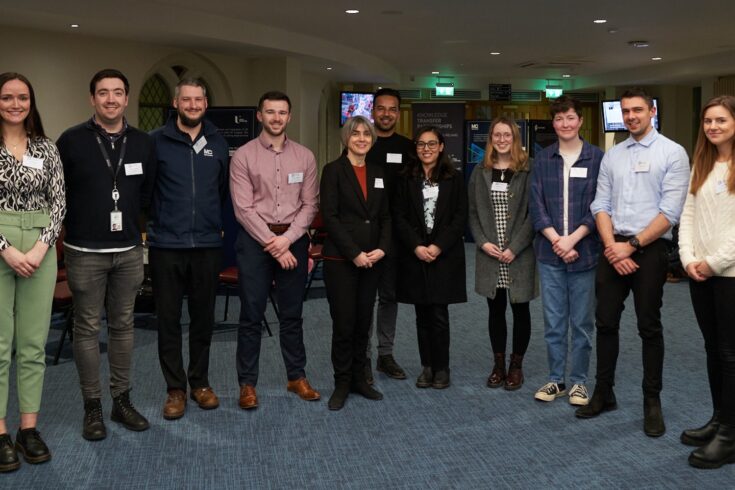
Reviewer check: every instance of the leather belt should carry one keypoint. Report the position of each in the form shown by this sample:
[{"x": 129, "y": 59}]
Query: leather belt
[{"x": 279, "y": 228}]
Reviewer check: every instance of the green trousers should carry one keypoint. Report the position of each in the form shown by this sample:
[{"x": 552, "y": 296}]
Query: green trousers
[{"x": 25, "y": 313}]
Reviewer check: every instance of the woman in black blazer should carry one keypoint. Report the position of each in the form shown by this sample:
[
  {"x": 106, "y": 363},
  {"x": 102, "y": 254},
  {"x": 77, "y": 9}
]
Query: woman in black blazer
[
  {"x": 430, "y": 212},
  {"x": 354, "y": 206}
]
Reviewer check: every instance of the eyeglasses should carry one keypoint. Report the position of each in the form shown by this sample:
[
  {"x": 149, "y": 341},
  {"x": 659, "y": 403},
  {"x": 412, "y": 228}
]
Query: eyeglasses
[
  {"x": 432, "y": 145},
  {"x": 502, "y": 136}
]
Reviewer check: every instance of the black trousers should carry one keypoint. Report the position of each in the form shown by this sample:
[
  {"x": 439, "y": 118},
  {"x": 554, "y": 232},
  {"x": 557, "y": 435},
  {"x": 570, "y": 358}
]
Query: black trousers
[
  {"x": 351, "y": 295},
  {"x": 714, "y": 307},
  {"x": 175, "y": 273},
  {"x": 498, "y": 327},
  {"x": 432, "y": 331},
  {"x": 647, "y": 285}
]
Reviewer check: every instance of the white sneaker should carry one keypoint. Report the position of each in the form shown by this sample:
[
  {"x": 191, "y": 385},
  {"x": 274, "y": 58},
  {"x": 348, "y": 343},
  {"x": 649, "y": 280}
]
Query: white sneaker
[
  {"x": 549, "y": 392},
  {"x": 578, "y": 395}
]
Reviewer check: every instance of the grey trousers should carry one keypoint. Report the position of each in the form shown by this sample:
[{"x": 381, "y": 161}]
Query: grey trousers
[
  {"x": 109, "y": 281},
  {"x": 387, "y": 309}
]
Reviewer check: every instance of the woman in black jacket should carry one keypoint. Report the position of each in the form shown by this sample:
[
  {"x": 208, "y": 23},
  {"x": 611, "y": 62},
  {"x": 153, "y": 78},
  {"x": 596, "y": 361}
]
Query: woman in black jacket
[
  {"x": 430, "y": 211},
  {"x": 354, "y": 206}
]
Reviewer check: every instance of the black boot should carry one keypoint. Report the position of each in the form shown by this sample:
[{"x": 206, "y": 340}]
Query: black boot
[
  {"x": 28, "y": 442},
  {"x": 653, "y": 417},
  {"x": 338, "y": 398},
  {"x": 8, "y": 456},
  {"x": 93, "y": 426},
  {"x": 702, "y": 435},
  {"x": 426, "y": 378},
  {"x": 362, "y": 388},
  {"x": 603, "y": 400},
  {"x": 497, "y": 376},
  {"x": 441, "y": 379},
  {"x": 719, "y": 451},
  {"x": 124, "y": 413}
]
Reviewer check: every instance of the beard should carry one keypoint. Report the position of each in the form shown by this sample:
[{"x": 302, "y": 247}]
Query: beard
[{"x": 188, "y": 121}]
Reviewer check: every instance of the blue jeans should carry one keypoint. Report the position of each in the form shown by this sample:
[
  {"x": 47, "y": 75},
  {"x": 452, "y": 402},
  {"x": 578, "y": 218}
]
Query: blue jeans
[{"x": 568, "y": 299}]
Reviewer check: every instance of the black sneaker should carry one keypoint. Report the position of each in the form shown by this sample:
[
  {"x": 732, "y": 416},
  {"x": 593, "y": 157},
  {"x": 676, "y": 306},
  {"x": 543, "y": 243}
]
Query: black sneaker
[
  {"x": 8, "y": 456},
  {"x": 125, "y": 414},
  {"x": 93, "y": 425},
  {"x": 369, "y": 372},
  {"x": 29, "y": 443},
  {"x": 388, "y": 365}
]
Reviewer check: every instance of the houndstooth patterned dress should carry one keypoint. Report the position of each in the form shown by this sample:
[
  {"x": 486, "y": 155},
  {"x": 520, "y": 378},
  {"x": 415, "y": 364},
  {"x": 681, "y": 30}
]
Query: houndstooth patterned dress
[{"x": 500, "y": 210}]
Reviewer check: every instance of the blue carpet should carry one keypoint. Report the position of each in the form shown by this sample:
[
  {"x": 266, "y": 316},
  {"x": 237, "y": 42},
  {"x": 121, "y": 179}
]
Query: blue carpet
[{"x": 467, "y": 436}]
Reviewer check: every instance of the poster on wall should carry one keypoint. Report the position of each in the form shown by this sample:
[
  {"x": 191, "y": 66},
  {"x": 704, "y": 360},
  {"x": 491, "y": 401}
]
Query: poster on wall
[
  {"x": 449, "y": 118},
  {"x": 542, "y": 134},
  {"x": 238, "y": 125}
]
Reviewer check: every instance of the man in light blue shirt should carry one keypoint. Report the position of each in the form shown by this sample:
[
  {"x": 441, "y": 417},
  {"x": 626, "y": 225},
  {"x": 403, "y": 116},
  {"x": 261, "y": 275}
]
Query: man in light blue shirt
[{"x": 641, "y": 190}]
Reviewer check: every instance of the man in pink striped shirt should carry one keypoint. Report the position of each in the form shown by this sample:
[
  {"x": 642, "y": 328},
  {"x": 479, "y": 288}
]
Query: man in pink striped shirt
[{"x": 274, "y": 186}]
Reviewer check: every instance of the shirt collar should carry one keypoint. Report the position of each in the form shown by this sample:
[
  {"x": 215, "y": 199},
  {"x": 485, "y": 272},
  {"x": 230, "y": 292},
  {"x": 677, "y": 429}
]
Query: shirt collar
[
  {"x": 646, "y": 141},
  {"x": 110, "y": 136},
  {"x": 268, "y": 145}
]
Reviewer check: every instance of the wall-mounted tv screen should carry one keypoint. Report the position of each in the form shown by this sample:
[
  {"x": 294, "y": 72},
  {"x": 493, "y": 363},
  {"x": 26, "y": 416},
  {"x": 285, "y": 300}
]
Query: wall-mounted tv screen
[
  {"x": 355, "y": 104},
  {"x": 612, "y": 116}
]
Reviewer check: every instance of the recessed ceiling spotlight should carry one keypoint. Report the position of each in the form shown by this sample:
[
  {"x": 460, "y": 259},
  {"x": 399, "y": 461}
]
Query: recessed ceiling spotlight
[
  {"x": 329, "y": 68},
  {"x": 599, "y": 21},
  {"x": 566, "y": 75},
  {"x": 638, "y": 44},
  {"x": 612, "y": 30},
  {"x": 434, "y": 72},
  {"x": 352, "y": 11},
  {"x": 495, "y": 53},
  {"x": 74, "y": 26},
  {"x": 656, "y": 58}
]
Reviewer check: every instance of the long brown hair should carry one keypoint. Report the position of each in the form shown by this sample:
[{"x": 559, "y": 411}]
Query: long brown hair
[
  {"x": 32, "y": 123},
  {"x": 519, "y": 158},
  {"x": 705, "y": 153}
]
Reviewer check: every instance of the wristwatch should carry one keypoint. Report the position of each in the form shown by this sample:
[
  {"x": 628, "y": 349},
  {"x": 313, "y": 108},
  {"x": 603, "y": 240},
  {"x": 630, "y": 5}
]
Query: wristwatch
[{"x": 635, "y": 243}]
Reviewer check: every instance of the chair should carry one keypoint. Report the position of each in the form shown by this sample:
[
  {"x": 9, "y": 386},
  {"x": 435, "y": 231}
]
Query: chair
[
  {"x": 317, "y": 234},
  {"x": 229, "y": 278}
]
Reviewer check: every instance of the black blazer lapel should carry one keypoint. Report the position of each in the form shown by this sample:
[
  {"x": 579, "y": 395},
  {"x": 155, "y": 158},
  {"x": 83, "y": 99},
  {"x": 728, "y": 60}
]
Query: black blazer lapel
[{"x": 349, "y": 174}]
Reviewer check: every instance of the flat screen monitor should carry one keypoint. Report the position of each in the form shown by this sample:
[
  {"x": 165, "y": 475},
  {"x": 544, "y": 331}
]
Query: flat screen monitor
[
  {"x": 612, "y": 116},
  {"x": 355, "y": 104}
]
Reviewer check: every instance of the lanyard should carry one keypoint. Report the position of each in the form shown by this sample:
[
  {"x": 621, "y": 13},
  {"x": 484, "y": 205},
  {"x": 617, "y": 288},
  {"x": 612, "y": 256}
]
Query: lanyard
[{"x": 116, "y": 170}]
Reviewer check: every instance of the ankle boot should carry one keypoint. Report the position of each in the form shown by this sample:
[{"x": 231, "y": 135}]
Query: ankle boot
[
  {"x": 653, "y": 417},
  {"x": 364, "y": 389},
  {"x": 603, "y": 400},
  {"x": 719, "y": 451},
  {"x": 93, "y": 428},
  {"x": 426, "y": 378},
  {"x": 8, "y": 455},
  {"x": 123, "y": 412},
  {"x": 497, "y": 376},
  {"x": 441, "y": 379},
  {"x": 514, "y": 380},
  {"x": 702, "y": 435},
  {"x": 339, "y": 396}
]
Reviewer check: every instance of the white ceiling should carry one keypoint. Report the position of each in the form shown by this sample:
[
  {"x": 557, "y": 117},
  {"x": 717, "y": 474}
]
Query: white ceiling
[{"x": 403, "y": 41}]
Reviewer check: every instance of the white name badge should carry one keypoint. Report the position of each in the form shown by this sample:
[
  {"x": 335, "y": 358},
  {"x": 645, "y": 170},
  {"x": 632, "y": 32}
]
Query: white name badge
[
  {"x": 394, "y": 158},
  {"x": 134, "y": 168},
  {"x": 642, "y": 167},
  {"x": 116, "y": 223},
  {"x": 499, "y": 187},
  {"x": 378, "y": 183},
  {"x": 32, "y": 162},
  {"x": 296, "y": 178},
  {"x": 431, "y": 192},
  {"x": 578, "y": 173},
  {"x": 200, "y": 144},
  {"x": 721, "y": 187}
]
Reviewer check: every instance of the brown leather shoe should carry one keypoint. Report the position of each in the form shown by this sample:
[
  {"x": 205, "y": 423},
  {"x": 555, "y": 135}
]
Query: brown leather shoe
[
  {"x": 205, "y": 398},
  {"x": 248, "y": 397},
  {"x": 175, "y": 405},
  {"x": 302, "y": 388}
]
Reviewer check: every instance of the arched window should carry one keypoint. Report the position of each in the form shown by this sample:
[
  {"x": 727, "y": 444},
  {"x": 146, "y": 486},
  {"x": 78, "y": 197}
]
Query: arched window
[{"x": 155, "y": 101}]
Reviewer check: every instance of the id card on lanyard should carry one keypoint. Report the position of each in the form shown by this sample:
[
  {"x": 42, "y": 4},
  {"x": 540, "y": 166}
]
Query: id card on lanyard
[{"x": 116, "y": 217}]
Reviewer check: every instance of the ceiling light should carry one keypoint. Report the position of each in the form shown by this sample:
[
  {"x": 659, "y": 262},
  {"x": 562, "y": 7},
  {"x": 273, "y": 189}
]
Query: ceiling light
[
  {"x": 566, "y": 75},
  {"x": 329, "y": 68},
  {"x": 74, "y": 26},
  {"x": 495, "y": 53},
  {"x": 656, "y": 58},
  {"x": 434, "y": 72},
  {"x": 612, "y": 30},
  {"x": 599, "y": 21},
  {"x": 352, "y": 11}
]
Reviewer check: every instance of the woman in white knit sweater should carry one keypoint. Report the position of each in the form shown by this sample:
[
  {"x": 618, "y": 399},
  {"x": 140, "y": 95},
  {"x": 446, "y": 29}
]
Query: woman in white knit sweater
[{"x": 707, "y": 250}]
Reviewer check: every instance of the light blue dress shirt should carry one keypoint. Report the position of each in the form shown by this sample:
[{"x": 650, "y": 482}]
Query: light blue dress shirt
[{"x": 640, "y": 179}]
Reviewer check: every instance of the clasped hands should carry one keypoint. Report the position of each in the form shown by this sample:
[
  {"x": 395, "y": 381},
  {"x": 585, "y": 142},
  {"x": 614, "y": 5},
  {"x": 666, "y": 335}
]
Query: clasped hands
[
  {"x": 278, "y": 248},
  {"x": 427, "y": 254},
  {"x": 699, "y": 271},
  {"x": 366, "y": 260},
  {"x": 618, "y": 254},
  {"x": 25, "y": 264},
  {"x": 504, "y": 256},
  {"x": 563, "y": 246}
]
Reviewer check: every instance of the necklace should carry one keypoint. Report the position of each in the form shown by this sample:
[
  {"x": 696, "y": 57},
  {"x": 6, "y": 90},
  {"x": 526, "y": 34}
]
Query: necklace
[
  {"x": 16, "y": 145},
  {"x": 502, "y": 174}
]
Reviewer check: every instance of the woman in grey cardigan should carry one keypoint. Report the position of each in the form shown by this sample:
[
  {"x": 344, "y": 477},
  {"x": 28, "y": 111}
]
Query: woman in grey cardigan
[{"x": 505, "y": 267}]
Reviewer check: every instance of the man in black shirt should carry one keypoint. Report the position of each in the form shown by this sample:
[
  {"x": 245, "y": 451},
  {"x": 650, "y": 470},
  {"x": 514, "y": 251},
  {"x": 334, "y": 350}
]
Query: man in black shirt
[
  {"x": 109, "y": 168},
  {"x": 393, "y": 151}
]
